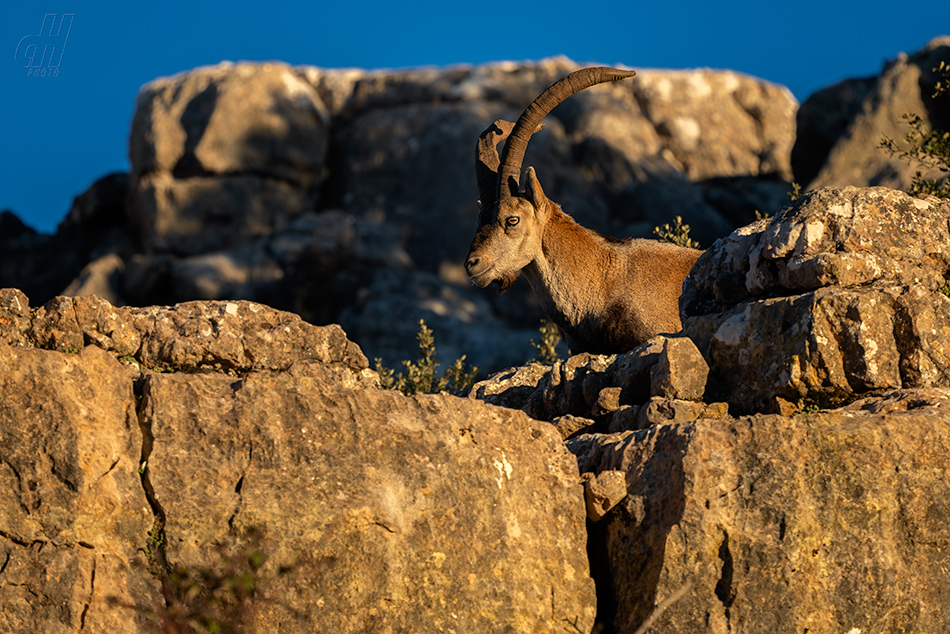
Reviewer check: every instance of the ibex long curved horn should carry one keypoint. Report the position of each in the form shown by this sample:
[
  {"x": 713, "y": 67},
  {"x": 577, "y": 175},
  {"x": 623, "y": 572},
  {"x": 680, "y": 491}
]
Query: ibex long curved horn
[
  {"x": 487, "y": 161},
  {"x": 510, "y": 171}
]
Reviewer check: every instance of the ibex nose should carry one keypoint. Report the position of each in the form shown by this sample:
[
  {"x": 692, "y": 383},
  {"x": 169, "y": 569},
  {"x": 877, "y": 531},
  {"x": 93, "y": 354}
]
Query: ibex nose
[{"x": 471, "y": 263}]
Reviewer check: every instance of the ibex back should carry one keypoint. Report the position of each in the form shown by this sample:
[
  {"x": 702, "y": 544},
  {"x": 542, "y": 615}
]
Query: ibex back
[{"x": 605, "y": 295}]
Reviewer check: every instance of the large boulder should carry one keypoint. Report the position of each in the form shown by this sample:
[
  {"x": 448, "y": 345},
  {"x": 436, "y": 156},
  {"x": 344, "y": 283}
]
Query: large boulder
[
  {"x": 241, "y": 148},
  {"x": 154, "y": 458},
  {"x": 841, "y": 127},
  {"x": 841, "y": 293},
  {"x": 828, "y": 522},
  {"x": 426, "y": 514}
]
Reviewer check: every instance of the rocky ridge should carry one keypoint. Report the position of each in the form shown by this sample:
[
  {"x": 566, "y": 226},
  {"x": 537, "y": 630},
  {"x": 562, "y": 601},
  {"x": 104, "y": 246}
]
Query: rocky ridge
[
  {"x": 793, "y": 516},
  {"x": 776, "y": 467},
  {"x": 133, "y": 439},
  {"x": 347, "y": 196}
]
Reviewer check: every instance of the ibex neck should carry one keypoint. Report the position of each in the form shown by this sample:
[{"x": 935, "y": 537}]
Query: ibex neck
[{"x": 572, "y": 259}]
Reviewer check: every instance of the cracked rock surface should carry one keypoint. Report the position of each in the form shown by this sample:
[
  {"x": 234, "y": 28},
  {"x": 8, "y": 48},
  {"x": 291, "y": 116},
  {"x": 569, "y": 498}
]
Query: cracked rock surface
[
  {"x": 374, "y": 511},
  {"x": 72, "y": 509},
  {"x": 836, "y": 295},
  {"x": 827, "y": 522}
]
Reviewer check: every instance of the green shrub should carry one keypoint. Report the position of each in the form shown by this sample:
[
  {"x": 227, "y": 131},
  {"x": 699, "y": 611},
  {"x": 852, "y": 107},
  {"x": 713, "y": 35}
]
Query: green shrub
[
  {"x": 216, "y": 599},
  {"x": 796, "y": 192},
  {"x": 678, "y": 233},
  {"x": 547, "y": 344},
  {"x": 928, "y": 149},
  {"x": 421, "y": 375}
]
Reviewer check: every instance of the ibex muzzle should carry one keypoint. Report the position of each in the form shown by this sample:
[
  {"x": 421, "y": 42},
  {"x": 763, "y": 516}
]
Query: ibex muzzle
[{"x": 606, "y": 296}]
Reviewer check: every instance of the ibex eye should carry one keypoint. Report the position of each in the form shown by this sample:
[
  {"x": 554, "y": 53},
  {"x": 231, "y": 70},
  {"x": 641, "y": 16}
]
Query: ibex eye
[{"x": 511, "y": 221}]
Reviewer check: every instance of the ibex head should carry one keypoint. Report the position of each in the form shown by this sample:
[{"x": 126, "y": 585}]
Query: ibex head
[{"x": 511, "y": 221}]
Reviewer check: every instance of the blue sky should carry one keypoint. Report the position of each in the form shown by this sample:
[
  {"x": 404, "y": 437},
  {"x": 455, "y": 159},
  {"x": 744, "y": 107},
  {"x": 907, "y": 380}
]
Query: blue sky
[{"x": 59, "y": 134}]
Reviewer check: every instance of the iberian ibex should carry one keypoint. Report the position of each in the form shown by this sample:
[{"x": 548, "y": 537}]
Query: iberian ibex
[{"x": 605, "y": 295}]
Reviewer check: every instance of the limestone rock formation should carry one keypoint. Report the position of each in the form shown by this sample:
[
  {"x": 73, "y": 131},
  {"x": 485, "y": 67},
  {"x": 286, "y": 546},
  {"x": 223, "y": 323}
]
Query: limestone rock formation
[
  {"x": 826, "y": 522},
  {"x": 236, "y": 167},
  {"x": 841, "y": 127},
  {"x": 393, "y": 514},
  {"x": 849, "y": 277},
  {"x": 229, "y": 337},
  {"x": 669, "y": 369},
  {"x": 143, "y": 448},
  {"x": 73, "y": 513},
  {"x": 238, "y": 147},
  {"x": 140, "y": 440}
]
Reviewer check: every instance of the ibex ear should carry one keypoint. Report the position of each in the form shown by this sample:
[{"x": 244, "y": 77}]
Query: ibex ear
[{"x": 533, "y": 191}]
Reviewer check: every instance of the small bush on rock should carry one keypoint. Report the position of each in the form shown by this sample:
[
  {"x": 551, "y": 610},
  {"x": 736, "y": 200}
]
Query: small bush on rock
[
  {"x": 677, "y": 233},
  {"x": 547, "y": 344},
  {"x": 927, "y": 148},
  {"x": 218, "y": 599},
  {"x": 795, "y": 193},
  {"x": 421, "y": 376}
]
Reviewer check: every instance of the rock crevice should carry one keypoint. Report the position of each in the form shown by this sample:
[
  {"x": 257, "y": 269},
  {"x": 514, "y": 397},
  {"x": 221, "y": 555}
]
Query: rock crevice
[{"x": 363, "y": 503}]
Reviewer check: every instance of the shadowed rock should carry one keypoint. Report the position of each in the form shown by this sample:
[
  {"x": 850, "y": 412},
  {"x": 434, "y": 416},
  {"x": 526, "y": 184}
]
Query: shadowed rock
[{"x": 826, "y": 522}]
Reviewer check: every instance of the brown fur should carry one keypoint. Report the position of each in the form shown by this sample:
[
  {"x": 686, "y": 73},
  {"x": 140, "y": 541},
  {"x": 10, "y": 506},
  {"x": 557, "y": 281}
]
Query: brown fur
[{"x": 606, "y": 296}]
